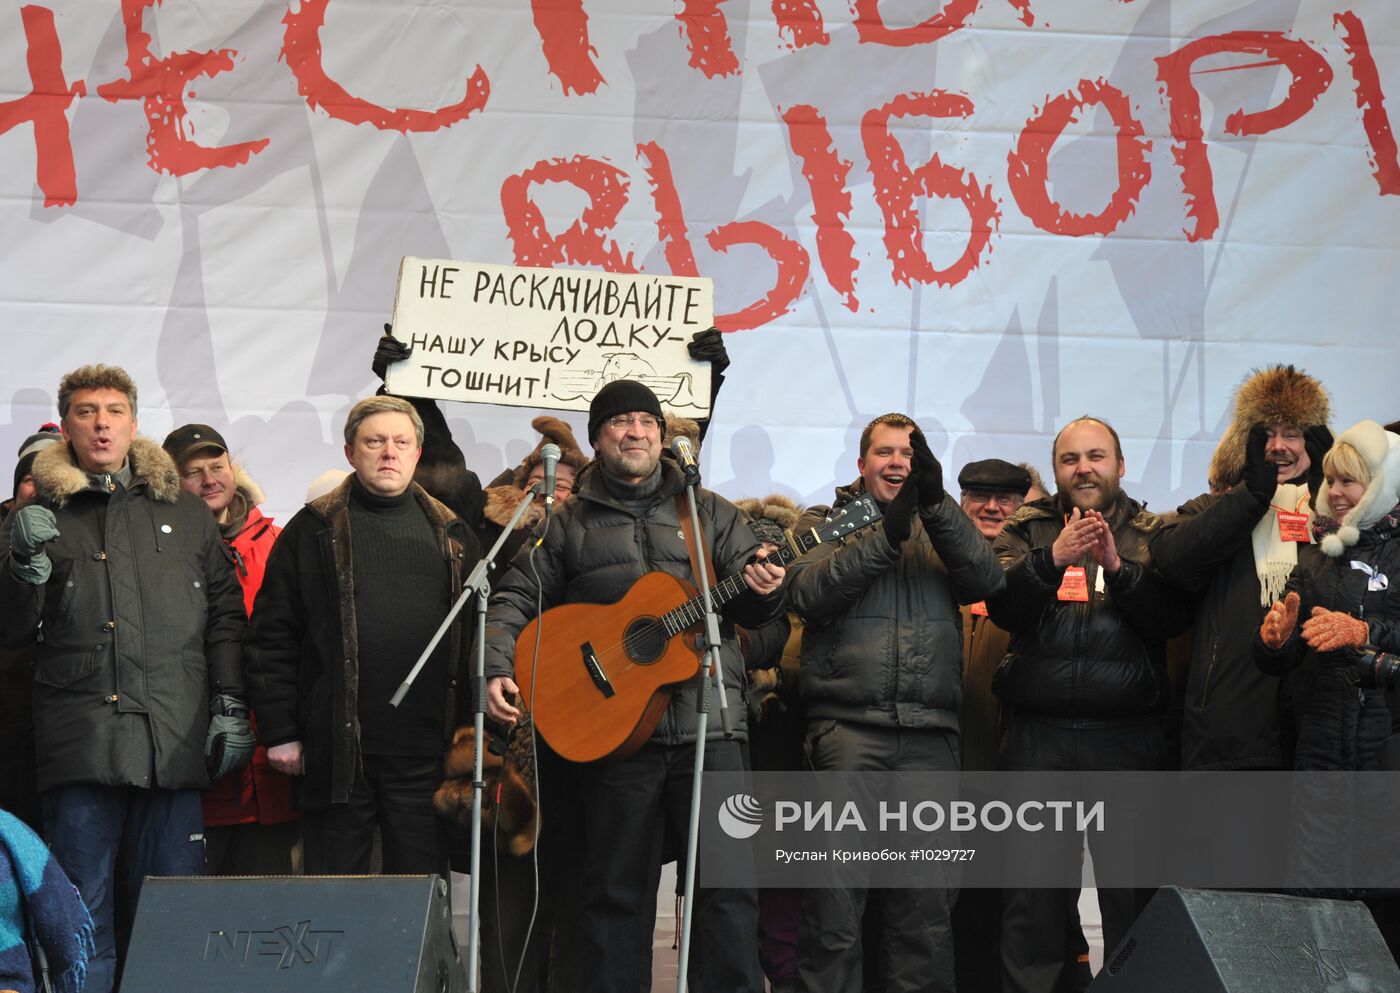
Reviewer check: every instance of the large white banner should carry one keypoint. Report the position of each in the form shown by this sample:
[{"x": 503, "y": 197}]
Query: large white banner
[{"x": 991, "y": 214}]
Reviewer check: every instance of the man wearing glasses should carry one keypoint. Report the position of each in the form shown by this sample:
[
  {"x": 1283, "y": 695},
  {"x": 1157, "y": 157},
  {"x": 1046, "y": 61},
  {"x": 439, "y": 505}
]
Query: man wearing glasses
[{"x": 623, "y": 522}]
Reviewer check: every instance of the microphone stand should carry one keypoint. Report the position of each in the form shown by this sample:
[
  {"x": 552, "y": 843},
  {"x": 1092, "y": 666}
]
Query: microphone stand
[
  {"x": 477, "y": 584},
  {"x": 702, "y": 708}
]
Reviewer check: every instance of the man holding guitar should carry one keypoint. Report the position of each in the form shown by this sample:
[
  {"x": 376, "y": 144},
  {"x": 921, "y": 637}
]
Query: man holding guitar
[
  {"x": 882, "y": 681},
  {"x": 624, "y": 523}
]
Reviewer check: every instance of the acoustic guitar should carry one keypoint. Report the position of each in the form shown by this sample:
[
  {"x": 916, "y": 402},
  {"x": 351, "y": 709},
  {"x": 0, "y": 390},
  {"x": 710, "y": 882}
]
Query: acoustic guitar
[{"x": 609, "y": 670}]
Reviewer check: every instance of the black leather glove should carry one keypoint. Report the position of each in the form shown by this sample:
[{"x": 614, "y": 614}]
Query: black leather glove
[
  {"x": 388, "y": 351},
  {"x": 899, "y": 515},
  {"x": 928, "y": 474},
  {"x": 708, "y": 346},
  {"x": 1317, "y": 442},
  {"x": 34, "y": 527},
  {"x": 1260, "y": 475},
  {"x": 230, "y": 742}
]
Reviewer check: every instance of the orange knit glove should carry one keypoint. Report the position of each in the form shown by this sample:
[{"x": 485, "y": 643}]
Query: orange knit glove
[
  {"x": 1329, "y": 630},
  {"x": 1279, "y": 622}
]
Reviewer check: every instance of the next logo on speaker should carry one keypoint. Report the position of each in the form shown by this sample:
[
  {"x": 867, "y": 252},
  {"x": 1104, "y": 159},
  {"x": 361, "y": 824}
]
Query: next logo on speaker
[{"x": 289, "y": 944}]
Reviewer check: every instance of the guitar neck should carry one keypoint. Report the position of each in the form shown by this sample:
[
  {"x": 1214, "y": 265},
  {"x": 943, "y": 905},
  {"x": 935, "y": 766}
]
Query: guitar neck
[{"x": 693, "y": 610}]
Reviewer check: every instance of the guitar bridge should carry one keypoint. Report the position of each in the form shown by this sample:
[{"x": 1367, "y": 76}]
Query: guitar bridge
[{"x": 595, "y": 670}]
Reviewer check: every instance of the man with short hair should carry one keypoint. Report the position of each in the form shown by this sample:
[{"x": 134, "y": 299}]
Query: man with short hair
[
  {"x": 623, "y": 522},
  {"x": 354, "y": 590},
  {"x": 141, "y": 620},
  {"x": 1234, "y": 548},
  {"x": 992, "y": 491},
  {"x": 1085, "y": 683},
  {"x": 882, "y": 684},
  {"x": 250, "y": 824}
]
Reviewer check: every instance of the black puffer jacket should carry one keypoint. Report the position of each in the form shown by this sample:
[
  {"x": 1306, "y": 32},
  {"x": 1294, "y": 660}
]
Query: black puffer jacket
[
  {"x": 593, "y": 552},
  {"x": 302, "y": 649},
  {"x": 1100, "y": 660},
  {"x": 1338, "y": 724},
  {"x": 1231, "y": 712},
  {"x": 141, "y": 616},
  {"x": 882, "y": 642}
]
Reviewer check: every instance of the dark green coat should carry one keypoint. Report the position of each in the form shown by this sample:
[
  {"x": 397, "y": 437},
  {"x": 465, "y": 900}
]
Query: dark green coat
[{"x": 141, "y": 616}]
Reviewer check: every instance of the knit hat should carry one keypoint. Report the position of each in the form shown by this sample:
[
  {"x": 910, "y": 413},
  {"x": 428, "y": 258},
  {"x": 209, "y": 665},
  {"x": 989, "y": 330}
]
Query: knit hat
[
  {"x": 1278, "y": 394},
  {"x": 33, "y": 445},
  {"x": 1380, "y": 450},
  {"x": 551, "y": 429},
  {"x": 622, "y": 396}
]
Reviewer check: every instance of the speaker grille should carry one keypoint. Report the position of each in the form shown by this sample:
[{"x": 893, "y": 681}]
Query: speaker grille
[{"x": 1121, "y": 959}]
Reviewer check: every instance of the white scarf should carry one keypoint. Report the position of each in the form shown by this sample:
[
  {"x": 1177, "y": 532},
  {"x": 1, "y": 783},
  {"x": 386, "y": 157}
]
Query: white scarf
[{"x": 1275, "y": 558}]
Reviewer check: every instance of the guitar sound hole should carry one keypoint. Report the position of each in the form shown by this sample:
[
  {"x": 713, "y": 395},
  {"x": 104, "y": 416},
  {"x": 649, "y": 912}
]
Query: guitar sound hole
[{"x": 645, "y": 640}]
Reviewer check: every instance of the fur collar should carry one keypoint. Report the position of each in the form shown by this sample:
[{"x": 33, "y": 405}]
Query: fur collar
[
  {"x": 337, "y": 500},
  {"x": 58, "y": 478},
  {"x": 244, "y": 484},
  {"x": 502, "y": 502}
]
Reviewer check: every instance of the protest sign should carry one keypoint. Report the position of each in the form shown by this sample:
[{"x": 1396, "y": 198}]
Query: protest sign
[{"x": 528, "y": 337}]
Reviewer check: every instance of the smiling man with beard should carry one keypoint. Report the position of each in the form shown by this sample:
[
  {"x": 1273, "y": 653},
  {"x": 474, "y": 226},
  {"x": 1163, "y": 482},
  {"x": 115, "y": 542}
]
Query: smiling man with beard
[{"x": 1085, "y": 681}]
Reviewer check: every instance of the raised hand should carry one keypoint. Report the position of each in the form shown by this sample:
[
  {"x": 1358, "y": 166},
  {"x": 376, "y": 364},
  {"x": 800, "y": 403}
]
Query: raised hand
[
  {"x": 1328, "y": 630},
  {"x": 1279, "y": 622},
  {"x": 1105, "y": 549},
  {"x": 899, "y": 515},
  {"x": 928, "y": 474},
  {"x": 1077, "y": 540},
  {"x": 387, "y": 352},
  {"x": 1260, "y": 475}
]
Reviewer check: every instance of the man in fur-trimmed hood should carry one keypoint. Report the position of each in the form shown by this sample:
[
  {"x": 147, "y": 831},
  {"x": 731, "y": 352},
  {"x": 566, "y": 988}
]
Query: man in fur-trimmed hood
[
  {"x": 142, "y": 622},
  {"x": 1234, "y": 548}
]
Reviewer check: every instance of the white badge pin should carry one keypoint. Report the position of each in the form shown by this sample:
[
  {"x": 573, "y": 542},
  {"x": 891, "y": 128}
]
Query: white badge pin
[{"x": 166, "y": 528}]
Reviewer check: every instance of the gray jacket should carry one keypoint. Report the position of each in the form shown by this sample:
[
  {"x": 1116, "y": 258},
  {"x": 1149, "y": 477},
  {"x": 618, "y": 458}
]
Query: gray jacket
[
  {"x": 883, "y": 637},
  {"x": 140, "y": 618},
  {"x": 595, "y": 549}
]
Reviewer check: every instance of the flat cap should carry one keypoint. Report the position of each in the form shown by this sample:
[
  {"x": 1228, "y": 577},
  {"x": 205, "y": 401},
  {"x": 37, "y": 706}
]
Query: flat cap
[{"x": 994, "y": 474}]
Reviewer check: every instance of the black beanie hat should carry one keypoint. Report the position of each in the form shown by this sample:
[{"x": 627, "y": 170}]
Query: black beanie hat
[{"x": 623, "y": 396}]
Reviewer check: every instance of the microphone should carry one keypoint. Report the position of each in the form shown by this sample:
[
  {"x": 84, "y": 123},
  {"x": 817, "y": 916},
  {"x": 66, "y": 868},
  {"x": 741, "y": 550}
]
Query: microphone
[
  {"x": 685, "y": 455},
  {"x": 550, "y": 455}
]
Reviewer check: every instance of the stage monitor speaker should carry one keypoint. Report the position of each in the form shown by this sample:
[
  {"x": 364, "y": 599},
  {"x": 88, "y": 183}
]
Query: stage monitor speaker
[
  {"x": 279, "y": 934},
  {"x": 1215, "y": 941}
]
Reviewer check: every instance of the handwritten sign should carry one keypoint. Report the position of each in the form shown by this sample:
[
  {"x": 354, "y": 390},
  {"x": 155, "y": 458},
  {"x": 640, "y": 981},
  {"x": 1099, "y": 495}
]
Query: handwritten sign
[{"x": 551, "y": 338}]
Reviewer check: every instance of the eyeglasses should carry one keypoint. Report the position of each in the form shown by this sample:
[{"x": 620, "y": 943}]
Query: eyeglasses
[
  {"x": 1011, "y": 500},
  {"x": 620, "y": 422}
]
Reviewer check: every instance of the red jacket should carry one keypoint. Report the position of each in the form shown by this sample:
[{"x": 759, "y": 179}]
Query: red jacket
[{"x": 257, "y": 793}]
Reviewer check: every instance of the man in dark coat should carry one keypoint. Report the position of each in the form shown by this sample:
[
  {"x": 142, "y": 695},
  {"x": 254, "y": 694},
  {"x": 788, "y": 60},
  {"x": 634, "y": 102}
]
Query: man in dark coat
[
  {"x": 354, "y": 590},
  {"x": 251, "y": 827},
  {"x": 142, "y": 620},
  {"x": 882, "y": 683},
  {"x": 1085, "y": 682},
  {"x": 1234, "y": 549},
  {"x": 624, "y": 522}
]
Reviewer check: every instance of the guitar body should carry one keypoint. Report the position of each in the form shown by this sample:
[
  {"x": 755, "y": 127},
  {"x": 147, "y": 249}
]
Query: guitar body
[{"x": 607, "y": 671}]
